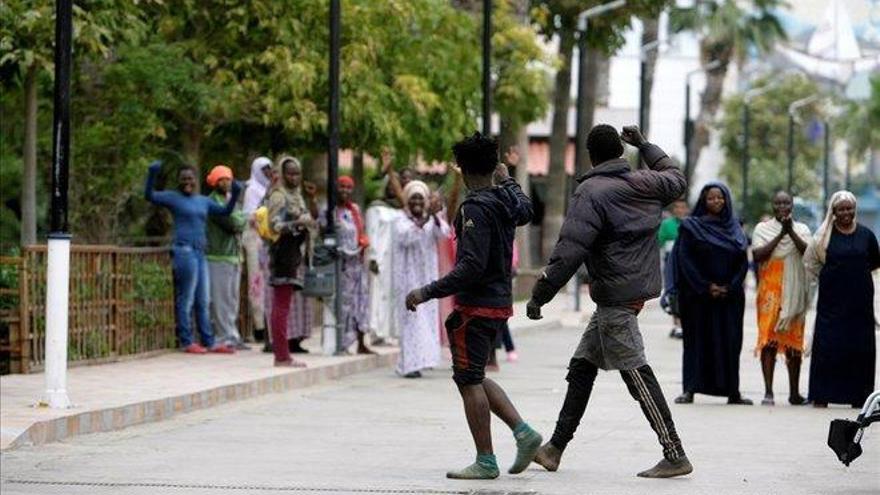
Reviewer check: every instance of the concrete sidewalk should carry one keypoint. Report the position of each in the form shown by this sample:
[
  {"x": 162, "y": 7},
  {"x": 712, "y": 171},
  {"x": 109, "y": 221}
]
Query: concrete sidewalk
[{"x": 114, "y": 396}]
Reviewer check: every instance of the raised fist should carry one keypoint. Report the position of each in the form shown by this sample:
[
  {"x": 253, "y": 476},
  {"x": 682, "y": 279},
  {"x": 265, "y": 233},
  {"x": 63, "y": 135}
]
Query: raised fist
[{"x": 633, "y": 136}]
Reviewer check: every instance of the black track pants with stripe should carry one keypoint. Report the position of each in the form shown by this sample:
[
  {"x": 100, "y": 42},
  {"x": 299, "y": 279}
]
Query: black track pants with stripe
[{"x": 644, "y": 388}]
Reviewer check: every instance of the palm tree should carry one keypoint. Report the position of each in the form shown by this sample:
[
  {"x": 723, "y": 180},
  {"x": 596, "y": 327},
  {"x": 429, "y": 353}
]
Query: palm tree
[{"x": 728, "y": 30}]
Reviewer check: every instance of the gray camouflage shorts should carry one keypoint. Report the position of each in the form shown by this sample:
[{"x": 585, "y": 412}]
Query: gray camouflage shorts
[{"x": 612, "y": 340}]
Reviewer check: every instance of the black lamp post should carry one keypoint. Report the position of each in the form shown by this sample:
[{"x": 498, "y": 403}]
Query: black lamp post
[
  {"x": 331, "y": 238},
  {"x": 58, "y": 245},
  {"x": 487, "y": 67},
  {"x": 792, "y": 114}
]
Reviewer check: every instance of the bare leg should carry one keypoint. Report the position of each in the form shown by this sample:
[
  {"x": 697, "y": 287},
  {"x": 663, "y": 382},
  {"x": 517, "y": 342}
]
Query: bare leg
[
  {"x": 793, "y": 362},
  {"x": 500, "y": 404},
  {"x": 476, "y": 409},
  {"x": 768, "y": 366}
]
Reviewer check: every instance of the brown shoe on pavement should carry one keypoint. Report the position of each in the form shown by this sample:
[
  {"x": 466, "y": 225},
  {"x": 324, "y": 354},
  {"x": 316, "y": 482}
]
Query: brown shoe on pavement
[
  {"x": 669, "y": 469},
  {"x": 549, "y": 457}
]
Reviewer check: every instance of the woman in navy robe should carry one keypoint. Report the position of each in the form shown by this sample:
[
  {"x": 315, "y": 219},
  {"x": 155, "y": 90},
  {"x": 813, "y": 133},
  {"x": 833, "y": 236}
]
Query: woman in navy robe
[
  {"x": 710, "y": 267},
  {"x": 843, "y": 254}
]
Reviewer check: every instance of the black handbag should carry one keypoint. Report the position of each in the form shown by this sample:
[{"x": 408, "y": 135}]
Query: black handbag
[{"x": 320, "y": 275}]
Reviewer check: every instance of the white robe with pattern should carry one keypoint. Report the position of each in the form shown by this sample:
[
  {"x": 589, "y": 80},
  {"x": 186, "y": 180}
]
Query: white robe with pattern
[{"x": 415, "y": 265}]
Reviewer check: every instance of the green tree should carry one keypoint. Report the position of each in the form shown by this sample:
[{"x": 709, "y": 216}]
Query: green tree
[
  {"x": 728, "y": 30},
  {"x": 768, "y": 138},
  {"x": 26, "y": 43},
  {"x": 605, "y": 34},
  {"x": 127, "y": 113}
]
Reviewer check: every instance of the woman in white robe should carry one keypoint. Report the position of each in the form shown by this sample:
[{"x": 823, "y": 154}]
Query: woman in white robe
[{"x": 416, "y": 234}]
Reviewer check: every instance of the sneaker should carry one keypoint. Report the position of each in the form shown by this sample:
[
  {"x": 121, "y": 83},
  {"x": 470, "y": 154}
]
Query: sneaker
[
  {"x": 195, "y": 349},
  {"x": 221, "y": 349},
  {"x": 512, "y": 357},
  {"x": 413, "y": 374},
  {"x": 241, "y": 346},
  {"x": 669, "y": 469}
]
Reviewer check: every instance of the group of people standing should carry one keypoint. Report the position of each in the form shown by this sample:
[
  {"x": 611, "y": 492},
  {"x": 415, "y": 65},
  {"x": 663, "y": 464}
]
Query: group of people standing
[
  {"x": 706, "y": 275},
  {"x": 403, "y": 241}
]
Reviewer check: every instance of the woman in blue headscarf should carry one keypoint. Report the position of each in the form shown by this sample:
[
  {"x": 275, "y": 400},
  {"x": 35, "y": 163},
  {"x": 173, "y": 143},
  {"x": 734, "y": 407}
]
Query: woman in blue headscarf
[{"x": 710, "y": 266}]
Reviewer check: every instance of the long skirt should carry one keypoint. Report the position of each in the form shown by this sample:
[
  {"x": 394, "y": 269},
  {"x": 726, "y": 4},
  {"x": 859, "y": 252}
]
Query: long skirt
[{"x": 713, "y": 334}]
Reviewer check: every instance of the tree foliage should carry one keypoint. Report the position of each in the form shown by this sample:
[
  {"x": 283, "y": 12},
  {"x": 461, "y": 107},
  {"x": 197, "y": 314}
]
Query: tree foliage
[
  {"x": 860, "y": 122},
  {"x": 728, "y": 31},
  {"x": 768, "y": 143},
  {"x": 223, "y": 80}
]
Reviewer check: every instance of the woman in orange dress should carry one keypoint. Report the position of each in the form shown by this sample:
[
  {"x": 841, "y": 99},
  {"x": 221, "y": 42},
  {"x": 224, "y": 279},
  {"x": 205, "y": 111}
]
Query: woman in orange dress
[{"x": 778, "y": 246}]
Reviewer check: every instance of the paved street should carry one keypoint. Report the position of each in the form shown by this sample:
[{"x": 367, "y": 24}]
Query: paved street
[{"x": 377, "y": 433}]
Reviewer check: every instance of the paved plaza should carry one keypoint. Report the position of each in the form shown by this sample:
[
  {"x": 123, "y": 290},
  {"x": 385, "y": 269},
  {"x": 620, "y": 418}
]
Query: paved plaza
[{"x": 377, "y": 433}]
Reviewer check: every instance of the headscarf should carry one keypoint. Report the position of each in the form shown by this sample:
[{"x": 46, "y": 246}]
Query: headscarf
[
  {"x": 217, "y": 173},
  {"x": 256, "y": 184},
  {"x": 415, "y": 187},
  {"x": 823, "y": 234},
  {"x": 296, "y": 204},
  {"x": 723, "y": 231},
  {"x": 363, "y": 240}
]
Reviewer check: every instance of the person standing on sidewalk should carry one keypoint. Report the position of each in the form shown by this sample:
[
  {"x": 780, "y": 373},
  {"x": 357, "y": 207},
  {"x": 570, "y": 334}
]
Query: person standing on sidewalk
[
  {"x": 783, "y": 294},
  {"x": 842, "y": 256},
  {"x": 381, "y": 216},
  {"x": 191, "y": 278},
  {"x": 352, "y": 242},
  {"x": 254, "y": 247},
  {"x": 482, "y": 284},
  {"x": 415, "y": 253},
  {"x": 291, "y": 220},
  {"x": 710, "y": 267},
  {"x": 224, "y": 260},
  {"x": 612, "y": 227},
  {"x": 667, "y": 236}
]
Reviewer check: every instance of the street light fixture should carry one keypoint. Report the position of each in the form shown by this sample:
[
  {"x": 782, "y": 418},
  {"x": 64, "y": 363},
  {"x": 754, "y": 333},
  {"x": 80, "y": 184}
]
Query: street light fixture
[
  {"x": 580, "y": 147},
  {"x": 580, "y": 157},
  {"x": 792, "y": 115},
  {"x": 688, "y": 123}
]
